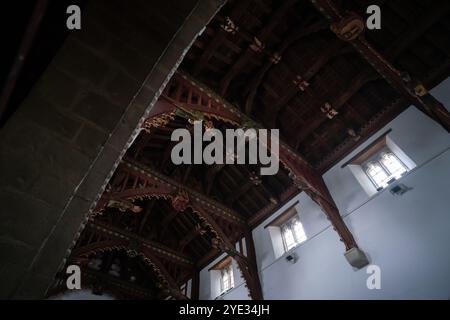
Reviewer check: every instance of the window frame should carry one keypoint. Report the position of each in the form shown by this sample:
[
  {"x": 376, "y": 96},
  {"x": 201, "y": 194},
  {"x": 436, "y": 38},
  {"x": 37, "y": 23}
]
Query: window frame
[
  {"x": 357, "y": 167},
  {"x": 217, "y": 284},
  {"x": 275, "y": 232},
  {"x": 376, "y": 159},
  {"x": 230, "y": 282},
  {"x": 298, "y": 239}
]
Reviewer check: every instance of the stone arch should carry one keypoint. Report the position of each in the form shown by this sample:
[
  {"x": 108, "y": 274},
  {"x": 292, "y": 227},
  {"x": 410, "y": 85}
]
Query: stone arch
[{"x": 69, "y": 134}]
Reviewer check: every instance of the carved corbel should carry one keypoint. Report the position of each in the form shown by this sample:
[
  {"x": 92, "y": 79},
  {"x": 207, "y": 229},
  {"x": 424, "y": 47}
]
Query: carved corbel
[
  {"x": 329, "y": 111},
  {"x": 350, "y": 27},
  {"x": 257, "y": 45},
  {"x": 180, "y": 201},
  {"x": 301, "y": 83},
  {"x": 229, "y": 26},
  {"x": 123, "y": 205}
]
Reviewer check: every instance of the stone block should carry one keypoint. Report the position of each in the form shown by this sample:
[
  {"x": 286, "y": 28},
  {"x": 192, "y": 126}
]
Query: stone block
[
  {"x": 51, "y": 256},
  {"x": 91, "y": 185},
  {"x": 15, "y": 251},
  {"x": 98, "y": 110},
  {"x": 144, "y": 98},
  {"x": 158, "y": 76},
  {"x": 34, "y": 286},
  {"x": 120, "y": 138},
  {"x": 58, "y": 88},
  {"x": 131, "y": 61},
  {"x": 121, "y": 89},
  {"x": 65, "y": 162},
  {"x": 106, "y": 159},
  {"x": 11, "y": 275},
  {"x": 17, "y": 172},
  {"x": 23, "y": 135},
  {"x": 92, "y": 33},
  {"x": 82, "y": 63},
  {"x": 357, "y": 258},
  {"x": 49, "y": 117},
  {"x": 52, "y": 189},
  {"x": 26, "y": 219},
  {"x": 90, "y": 140}
]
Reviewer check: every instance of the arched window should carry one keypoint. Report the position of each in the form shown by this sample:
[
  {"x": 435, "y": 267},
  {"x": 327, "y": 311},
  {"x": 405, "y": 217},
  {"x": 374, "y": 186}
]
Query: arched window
[
  {"x": 379, "y": 164},
  {"x": 392, "y": 164},
  {"x": 377, "y": 174},
  {"x": 384, "y": 168},
  {"x": 226, "y": 278},
  {"x": 292, "y": 233}
]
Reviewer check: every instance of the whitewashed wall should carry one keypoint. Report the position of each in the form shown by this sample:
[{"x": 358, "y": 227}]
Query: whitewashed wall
[
  {"x": 81, "y": 295},
  {"x": 408, "y": 237}
]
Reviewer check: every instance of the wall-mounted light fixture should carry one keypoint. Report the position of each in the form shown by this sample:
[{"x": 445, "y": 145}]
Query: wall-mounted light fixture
[
  {"x": 291, "y": 257},
  {"x": 399, "y": 189}
]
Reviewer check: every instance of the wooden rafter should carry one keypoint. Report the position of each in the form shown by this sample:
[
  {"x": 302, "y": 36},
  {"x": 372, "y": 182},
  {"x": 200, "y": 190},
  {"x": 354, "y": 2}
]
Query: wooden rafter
[
  {"x": 262, "y": 35},
  {"x": 169, "y": 282},
  {"x": 337, "y": 103},
  {"x": 236, "y": 13},
  {"x": 334, "y": 50},
  {"x": 168, "y": 218},
  {"x": 211, "y": 175},
  {"x": 147, "y": 183},
  {"x": 251, "y": 256},
  {"x": 190, "y": 236},
  {"x": 195, "y": 291},
  {"x": 120, "y": 237},
  {"x": 411, "y": 89},
  {"x": 292, "y": 38},
  {"x": 147, "y": 212}
]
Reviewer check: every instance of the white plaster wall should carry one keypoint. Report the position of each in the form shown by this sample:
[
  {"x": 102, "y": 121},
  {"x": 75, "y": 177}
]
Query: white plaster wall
[
  {"x": 81, "y": 295},
  {"x": 407, "y": 236}
]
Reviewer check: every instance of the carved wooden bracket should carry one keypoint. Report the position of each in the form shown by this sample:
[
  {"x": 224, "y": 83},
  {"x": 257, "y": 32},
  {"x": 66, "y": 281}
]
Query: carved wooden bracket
[
  {"x": 412, "y": 90},
  {"x": 350, "y": 27},
  {"x": 180, "y": 201}
]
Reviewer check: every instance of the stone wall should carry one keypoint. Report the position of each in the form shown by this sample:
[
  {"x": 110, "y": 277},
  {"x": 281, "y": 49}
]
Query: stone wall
[{"x": 58, "y": 150}]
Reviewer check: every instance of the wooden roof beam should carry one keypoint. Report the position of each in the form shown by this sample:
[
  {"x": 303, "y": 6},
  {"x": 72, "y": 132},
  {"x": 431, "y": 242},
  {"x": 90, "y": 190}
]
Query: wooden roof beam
[
  {"x": 235, "y": 14},
  {"x": 147, "y": 212},
  {"x": 123, "y": 235},
  {"x": 171, "y": 285},
  {"x": 190, "y": 236},
  {"x": 148, "y": 183},
  {"x": 236, "y": 194},
  {"x": 334, "y": 50},
  {"x": 262, "y": 36},
  {"x": 293, "y": 37},
  {"x": 168, "y": 218},
  {"x": 355, "y": 85},
  {"x": 411, "y": 89},
  {"x": 211, "y": 175}
]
